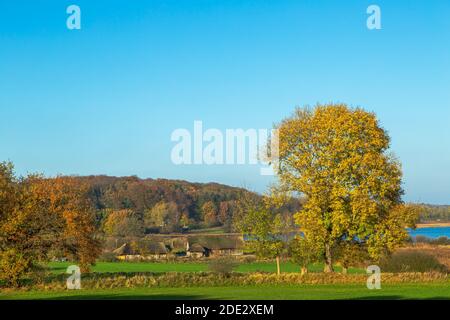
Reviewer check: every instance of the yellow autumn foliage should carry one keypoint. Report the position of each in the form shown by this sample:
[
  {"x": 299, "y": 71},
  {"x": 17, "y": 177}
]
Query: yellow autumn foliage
[{"x": 338, "y": 158}]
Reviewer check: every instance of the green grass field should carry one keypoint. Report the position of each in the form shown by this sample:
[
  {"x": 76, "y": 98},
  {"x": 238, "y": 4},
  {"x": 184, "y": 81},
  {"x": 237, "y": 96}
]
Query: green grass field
[
  {"x": 281, "y": 292},
  {"x": 60, "y": 267},
  {"x": 285, "y": 292}
]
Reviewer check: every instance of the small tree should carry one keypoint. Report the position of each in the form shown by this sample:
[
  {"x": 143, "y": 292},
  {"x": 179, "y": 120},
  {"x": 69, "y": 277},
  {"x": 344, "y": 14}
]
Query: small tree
[
  {"x": 226, "y": 214},
  {"x": 209, "y": 213},
  {"x": 350, "y": 253},
  {"x": 304, "y": 252},
  {"x": 263, "y": 227},
  {"x": 184, "y": 220}
]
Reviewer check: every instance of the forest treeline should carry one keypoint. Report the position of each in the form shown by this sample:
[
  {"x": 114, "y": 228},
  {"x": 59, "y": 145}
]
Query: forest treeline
[
  {"x": 430, "y": 213},
  {"x": 130, "y": 206}
]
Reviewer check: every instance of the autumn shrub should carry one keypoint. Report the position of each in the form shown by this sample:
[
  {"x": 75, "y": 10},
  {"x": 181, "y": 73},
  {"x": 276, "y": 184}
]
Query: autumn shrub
[
  {"x": 13, "y": 267},
  {"x": 441, "y": 241},
  {"x": 222, "y": 265},
  {"x": 421, "y": 239},
  {"x": 411, "y": 261}
]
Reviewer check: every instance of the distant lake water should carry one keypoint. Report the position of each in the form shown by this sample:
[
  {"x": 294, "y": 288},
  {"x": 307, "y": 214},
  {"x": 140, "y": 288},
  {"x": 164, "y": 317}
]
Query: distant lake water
[{"x": 431, "y": 232}]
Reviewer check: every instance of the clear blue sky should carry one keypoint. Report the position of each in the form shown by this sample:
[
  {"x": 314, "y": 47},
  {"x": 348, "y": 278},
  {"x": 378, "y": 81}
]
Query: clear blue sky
[{"x": 105, "y": 99}]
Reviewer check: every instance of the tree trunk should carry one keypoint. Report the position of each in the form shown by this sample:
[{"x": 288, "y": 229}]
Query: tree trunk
[
  {"x": 278, "y": 266},
  {"x": 328, "y": 261},
  {"x": 303, "y": 271}
]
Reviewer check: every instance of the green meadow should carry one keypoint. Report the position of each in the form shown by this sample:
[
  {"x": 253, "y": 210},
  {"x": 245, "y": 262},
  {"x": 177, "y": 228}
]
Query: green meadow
[
  {"x": 436, "y": 290},
  {"x": 157, "y": 267},
  {"x": 276, "y": 292}
]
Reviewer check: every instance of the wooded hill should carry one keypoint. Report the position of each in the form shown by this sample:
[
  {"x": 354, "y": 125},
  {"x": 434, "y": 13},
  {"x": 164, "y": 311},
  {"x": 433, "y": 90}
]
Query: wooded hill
[{"x": 132, "y": 206}]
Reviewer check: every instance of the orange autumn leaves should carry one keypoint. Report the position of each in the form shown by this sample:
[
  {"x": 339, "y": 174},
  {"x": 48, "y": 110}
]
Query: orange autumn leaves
[
  {"x": 37, "y": 215},
  {"x": 67, "y": 203}
]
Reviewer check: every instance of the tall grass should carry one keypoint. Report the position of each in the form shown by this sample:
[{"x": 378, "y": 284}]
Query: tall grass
[
  {"x": 412, "y": 261},
  {"x": 210, "y": 279}
]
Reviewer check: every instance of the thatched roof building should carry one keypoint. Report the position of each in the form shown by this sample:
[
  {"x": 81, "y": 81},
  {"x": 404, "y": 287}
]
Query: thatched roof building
[
  {"x": 123, "y": 250},
  {"x": 219, "y": 242},
  {"x": 196, "y": 247},
  {"x": 176, "y": 245},
  {"x": 145, "y": 247},
  {"x": 192, "y": 245},
  {"x": 156, "y": 248}
]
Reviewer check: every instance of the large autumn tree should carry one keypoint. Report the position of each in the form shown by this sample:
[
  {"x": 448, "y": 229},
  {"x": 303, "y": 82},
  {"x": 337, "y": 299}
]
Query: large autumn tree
[
  {"x": 37, "y": 215},
  {"x": 68, "y": 199},
  {"x": 337, "y": 157},
  {"x": 23, "y": 227}
]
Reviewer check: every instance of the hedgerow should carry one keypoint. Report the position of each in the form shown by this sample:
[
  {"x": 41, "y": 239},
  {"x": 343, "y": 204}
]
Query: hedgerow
[{"x": 209, "y": 279}]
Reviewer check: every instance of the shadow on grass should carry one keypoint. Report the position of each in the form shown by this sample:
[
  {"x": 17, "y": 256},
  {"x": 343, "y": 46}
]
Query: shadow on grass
[
  {"x": 128, "y": 297},
  {"x": 394, "y": 297},
  {"x": 201, "y": 297}
]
